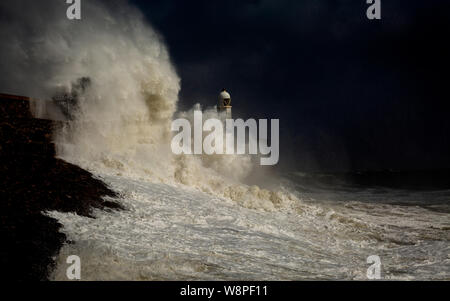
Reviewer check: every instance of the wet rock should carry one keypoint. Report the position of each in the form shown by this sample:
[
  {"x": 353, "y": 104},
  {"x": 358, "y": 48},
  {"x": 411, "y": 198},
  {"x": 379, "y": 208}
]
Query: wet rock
[{"x": 34, "y": 181}]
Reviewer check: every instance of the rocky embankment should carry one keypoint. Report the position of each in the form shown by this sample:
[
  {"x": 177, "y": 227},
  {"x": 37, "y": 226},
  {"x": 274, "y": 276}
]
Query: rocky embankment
[{"x": 33, "y": 181}]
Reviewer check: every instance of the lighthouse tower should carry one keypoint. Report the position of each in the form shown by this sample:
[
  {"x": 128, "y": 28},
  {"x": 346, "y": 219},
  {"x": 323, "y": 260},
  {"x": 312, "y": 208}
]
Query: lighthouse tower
[{"x": 225, "y": 103}]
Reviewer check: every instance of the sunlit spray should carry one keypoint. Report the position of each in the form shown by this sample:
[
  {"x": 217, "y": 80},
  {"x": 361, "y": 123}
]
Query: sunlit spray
[
  {"x": 121, "y": 120},
  {"x": 221, "y": 138}
]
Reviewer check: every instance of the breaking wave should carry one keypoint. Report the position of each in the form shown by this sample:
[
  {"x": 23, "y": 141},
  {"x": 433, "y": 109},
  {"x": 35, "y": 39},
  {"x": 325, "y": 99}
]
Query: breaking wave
[{"x": 121, "y": 93}]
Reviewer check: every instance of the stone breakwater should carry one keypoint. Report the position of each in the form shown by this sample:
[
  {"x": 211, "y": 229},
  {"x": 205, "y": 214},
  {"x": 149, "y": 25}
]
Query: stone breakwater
[{"x": 34, "y": 181}]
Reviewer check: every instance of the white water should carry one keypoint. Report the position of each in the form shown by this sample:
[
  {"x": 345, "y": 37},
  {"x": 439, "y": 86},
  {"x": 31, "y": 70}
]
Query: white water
[
  {"x": 170, "y": 233},
  {"x": 189, "y": 217}
]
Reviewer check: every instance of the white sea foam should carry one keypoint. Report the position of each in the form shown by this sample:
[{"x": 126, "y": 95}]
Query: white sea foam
[{"x": 170, "y": 233}]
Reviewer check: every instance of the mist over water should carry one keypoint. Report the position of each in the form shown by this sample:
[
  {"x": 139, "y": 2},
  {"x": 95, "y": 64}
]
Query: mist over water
[{"x": 186, "y": 217}]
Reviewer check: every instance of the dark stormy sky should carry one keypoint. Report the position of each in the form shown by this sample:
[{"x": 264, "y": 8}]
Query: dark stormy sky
[{"x": 350, "y": 93}]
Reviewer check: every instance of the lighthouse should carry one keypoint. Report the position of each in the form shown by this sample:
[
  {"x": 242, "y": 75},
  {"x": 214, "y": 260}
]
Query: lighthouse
[{"x": 224, "y": 104}]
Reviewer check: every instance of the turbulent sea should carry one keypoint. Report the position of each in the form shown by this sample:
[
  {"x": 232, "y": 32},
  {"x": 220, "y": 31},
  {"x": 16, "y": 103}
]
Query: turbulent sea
[
  {"x": 177, "y": 233},
  {"x": 111, "y": 80}
]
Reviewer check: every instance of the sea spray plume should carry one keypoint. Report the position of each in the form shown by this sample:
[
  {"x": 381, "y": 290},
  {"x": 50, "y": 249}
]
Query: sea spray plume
[
  {"x": 234, "y": 167},
  {"x": 120, "y": 123},
  {"x": 133, "y": 90},
  {"x": 226, "y": 175}
]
